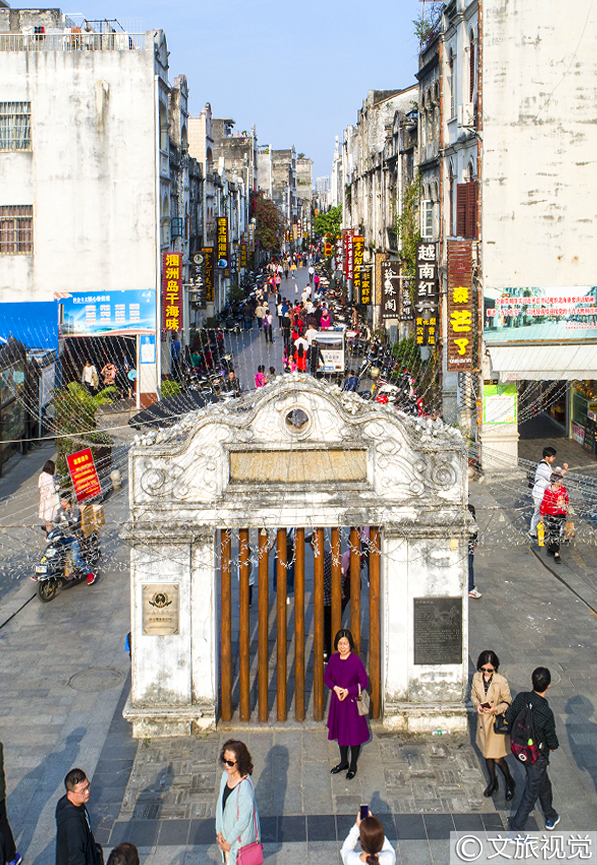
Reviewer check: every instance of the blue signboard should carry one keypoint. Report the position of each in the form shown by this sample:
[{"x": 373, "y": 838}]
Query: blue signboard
[
  {"x": 147, "y": 349},
  {"x": 108, "y": 313},
  {"x": 33, "y": 323}
]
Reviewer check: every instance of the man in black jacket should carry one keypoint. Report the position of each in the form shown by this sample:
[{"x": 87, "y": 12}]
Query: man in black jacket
[
  {"x": 75, "y": 844},
  {"x": 538, "y": 785}
]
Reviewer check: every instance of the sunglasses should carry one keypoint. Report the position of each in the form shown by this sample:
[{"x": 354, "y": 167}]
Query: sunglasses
[
  {"x": 488, "y": 669},
  {"x": 230, "y": 763}
]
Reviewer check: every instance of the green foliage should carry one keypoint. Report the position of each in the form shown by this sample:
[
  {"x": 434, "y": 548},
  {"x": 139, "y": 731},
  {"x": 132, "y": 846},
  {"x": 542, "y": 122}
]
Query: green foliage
[
  {"x": 407, "y": 227},
  {"x": 76, "y": 410},
  {"x": 235, "y": 294},
  {"x": 170, "y": 388},
  {"x": 269, "y": 229},
  {"x": 426, "y": 28},
  {"x": 328, "y": 223}
]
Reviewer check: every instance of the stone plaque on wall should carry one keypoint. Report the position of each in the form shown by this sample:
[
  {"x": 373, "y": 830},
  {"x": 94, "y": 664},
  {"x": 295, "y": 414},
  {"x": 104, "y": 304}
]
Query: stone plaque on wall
[
  {"x": 438, "y": 630},
  {"x": 160, "y": 609}
]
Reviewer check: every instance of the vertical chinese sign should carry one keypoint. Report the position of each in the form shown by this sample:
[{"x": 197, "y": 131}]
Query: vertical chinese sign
[
  {"x": 426, "y": 295},
  {"x": 390, "y": 289},
  {"x": 172, "y": 290},
  {"x": 222, "y": 241},
  {"x": 358, "y": 251},
  {"x": 459, "y": 326},
  {"x": 243, "y": 255},
  {"x": 338, "y": 253},
  {"x": 347, "y": 251},
  {"x": 366, "y": 285},
  {"x": 208, "y": 273}
]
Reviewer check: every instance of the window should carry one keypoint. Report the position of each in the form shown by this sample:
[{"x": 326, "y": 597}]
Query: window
[
  {"x": 16, "y": 229},
  {"x": 466, "y": 209},
  {"x": 471, "y": 66},
  {"x": 15, "y": 126},
  {"x": 451, "y": 193},
  {"x": 452, "y": 84},
  {"x": 427, "y": 218}
]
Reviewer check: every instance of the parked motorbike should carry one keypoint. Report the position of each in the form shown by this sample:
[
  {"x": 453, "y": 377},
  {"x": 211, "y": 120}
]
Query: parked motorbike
[{"x": 56, "y": 568}]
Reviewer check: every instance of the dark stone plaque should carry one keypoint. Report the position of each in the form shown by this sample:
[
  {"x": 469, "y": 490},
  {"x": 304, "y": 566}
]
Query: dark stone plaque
[{"x": 438, "y": 630}]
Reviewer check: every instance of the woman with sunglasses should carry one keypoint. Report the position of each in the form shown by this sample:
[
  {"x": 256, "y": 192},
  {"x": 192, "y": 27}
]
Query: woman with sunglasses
[
  {"x": 237, "y": 820},
  {"x": 490, "y": 695}
]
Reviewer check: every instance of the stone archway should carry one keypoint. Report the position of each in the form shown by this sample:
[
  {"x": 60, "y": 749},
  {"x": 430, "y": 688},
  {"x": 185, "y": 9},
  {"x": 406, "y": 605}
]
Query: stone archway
[{"x": 298, "y": 453}]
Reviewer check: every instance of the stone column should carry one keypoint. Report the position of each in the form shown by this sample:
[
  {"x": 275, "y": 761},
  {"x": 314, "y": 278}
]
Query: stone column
[
  {"x": 204, "y": 629},
  {"x": 428, "y": 564}
]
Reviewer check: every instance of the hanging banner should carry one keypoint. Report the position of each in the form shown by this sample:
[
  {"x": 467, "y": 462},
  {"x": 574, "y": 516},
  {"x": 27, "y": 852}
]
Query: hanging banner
[
  {"x": 208, "y": 273},
  {"x": 172, "y": 290},
  {"x": 366, "y": 282},
  {"x": 459, "y": 326},
  {"x": 243, "y": 255},
  {"x": 390, "y": 289},
  {"x": 358, "y": 252},
  {"x": 347, "y": 234},
  {"x": 222, "y": 238},
  {"x": 426, "y": 295},
  {"x": 84, "y": 475}
]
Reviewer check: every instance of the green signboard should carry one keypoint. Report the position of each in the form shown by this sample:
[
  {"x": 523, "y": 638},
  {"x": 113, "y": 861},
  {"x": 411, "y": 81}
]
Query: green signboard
[{"x": 499, "y": 404}]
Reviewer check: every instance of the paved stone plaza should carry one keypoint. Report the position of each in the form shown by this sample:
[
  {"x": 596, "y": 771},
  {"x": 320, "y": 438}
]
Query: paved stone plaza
[{"x": 65, "y": 678}]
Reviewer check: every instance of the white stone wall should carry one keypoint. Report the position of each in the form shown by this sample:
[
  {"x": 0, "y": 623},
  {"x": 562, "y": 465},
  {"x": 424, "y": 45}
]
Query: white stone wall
[
  {"x": 90, "y": 175},
  {"x": 540, "y": 143}
]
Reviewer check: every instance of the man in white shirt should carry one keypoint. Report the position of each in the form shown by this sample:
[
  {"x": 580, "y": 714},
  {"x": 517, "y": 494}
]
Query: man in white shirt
[{"x": 542, "y": 481}]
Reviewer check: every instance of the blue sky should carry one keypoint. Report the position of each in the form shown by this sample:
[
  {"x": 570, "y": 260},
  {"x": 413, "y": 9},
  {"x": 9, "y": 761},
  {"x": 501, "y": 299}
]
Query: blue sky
[{"x": 299, "y": 71}]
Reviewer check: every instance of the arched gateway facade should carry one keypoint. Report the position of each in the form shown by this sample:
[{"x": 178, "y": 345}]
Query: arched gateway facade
[{"x": 297, "y": 454}]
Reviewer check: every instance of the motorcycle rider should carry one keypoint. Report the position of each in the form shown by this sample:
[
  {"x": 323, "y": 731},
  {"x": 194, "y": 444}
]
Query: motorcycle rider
[{"x": 68, "y": 519}]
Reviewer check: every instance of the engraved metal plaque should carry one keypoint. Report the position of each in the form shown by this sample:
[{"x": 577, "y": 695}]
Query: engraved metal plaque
[
  {"x": 160, "y": 609},
  {"x": 438, "y": 630}
]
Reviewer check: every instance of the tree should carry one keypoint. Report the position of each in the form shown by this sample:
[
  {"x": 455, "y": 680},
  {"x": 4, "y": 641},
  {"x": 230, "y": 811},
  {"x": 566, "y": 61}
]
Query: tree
[
  {"x": 76, "y": 411},
  {"x": 328, "y": 223},
  {"x": 269, "y": 228}
]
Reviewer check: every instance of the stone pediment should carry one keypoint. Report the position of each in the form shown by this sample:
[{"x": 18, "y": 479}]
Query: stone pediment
[{"x": 293, "y": 434}]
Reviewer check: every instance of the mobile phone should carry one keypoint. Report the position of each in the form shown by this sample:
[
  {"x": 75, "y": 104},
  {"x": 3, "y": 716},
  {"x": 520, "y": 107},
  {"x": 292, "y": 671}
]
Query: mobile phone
[
  {"x": 364, "y": 811},
  {"x": 486, "y": 705}
]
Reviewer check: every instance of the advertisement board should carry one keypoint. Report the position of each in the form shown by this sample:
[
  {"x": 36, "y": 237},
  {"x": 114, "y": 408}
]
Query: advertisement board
[
  {"x": 550, "y": 314},
  {"x": 109, "y": 313},
  {"x": 499, "y": 404},
  {"x": 460, "y": 327},
  {"x": 172, "y": 290},
  {"x": 84, "y": 475}
]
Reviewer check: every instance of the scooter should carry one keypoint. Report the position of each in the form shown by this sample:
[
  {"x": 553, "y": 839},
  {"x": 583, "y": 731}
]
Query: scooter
[{"x": 56, "y": 569}]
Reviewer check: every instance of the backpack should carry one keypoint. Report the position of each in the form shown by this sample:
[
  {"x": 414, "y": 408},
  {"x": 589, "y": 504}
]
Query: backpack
[
  {"x": 522, "y": 736},
  {"x": 531, "y": 476}
]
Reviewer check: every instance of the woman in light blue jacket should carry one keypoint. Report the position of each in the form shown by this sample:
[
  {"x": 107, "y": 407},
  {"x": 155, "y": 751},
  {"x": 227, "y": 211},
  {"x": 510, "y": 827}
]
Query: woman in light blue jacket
[{"x": 237, "y": 821}]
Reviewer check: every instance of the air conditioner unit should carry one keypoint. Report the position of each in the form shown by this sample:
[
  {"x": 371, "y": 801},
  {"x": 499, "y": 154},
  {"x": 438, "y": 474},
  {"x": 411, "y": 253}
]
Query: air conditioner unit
[{"x": 466, "y": 114}]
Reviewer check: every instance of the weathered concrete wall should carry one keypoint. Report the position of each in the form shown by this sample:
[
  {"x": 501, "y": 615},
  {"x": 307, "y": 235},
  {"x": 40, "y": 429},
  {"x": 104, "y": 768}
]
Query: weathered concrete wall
[
  {"x": 540, "y": 143},
  {"x": 90, "y": 175}
]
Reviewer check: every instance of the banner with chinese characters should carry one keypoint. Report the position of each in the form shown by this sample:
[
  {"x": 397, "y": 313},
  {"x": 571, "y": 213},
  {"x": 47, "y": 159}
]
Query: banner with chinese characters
[
  {"x": 358, "y": 252},
  {"x": 251, "y": 230},
  {"x": 390, "y": 289},
  {"x": 172, "y": 290},
  {"x": 114, "y": 313},
  {"x": 339, "y": 253},
  {"x": 347, "y": 255},
  {"x": 208, "y": 273},
  {"x": 426, "y": 295},
  {"x": 243, "y": 255},
  {"x": 460, "y": 330},
  {"x": 222, "y": 241},
  {"x": 366, "y": 283},
  {"x": 84, "y": 475}
]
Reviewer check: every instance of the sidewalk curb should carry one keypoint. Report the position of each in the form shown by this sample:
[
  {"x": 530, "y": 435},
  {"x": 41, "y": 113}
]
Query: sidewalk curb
[{"x": 591, "y": 605}]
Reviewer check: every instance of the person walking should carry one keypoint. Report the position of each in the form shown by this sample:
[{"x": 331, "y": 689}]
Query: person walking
[
  {"x": 473, "y": 592},
  {"x": 554, "y": 509},
  {"x": 542, "y": 481},
  {"x": 48, "y": 494},
  {"x": 344, "y": 674},
  {"x": 260, "y": 378},
  {"x": 490, "y": 695},
  {"x": 90, "y": 378},
  {"x": 375, "y": 848},
  {"x": 237, "y": 820},
  {"x": 10, "y": 854},
  {"x": 537, "y": 784},
  {"x": 109, "y": 374},
  {"x": 75, "y": 844},
  {"x": 267, "y": 326},
  {"x": 260, "y": 311}
]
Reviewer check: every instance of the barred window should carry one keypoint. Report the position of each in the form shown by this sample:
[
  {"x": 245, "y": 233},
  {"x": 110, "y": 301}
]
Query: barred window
[
  {"x": 15, "y": 126},
  {"x": 16, "y": 229}
]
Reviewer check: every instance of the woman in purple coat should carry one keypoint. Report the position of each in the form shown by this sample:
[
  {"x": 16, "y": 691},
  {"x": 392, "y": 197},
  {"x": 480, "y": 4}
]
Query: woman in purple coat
[{"x": 343, "y": 675}]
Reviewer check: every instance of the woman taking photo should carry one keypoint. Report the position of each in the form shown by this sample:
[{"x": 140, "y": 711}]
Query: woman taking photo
[
  {"x": 343, "y": 676},
  {"x": 375, "y": 847},
  {"x": 490, "y": 695},
  {"x": 554, "y": 508},
  {"x": 237, "y": 821}
]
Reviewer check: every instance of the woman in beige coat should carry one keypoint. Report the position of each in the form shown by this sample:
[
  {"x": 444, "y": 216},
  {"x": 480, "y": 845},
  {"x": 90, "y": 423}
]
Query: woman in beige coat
[{"x": 490, "y": 695}]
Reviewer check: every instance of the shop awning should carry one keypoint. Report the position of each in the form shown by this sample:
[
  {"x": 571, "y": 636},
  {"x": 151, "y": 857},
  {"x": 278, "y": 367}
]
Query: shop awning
[{"x": 543, "y": 362}]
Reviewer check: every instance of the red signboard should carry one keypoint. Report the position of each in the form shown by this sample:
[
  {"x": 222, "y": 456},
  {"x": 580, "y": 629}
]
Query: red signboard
[
  {"x": 84, "y": 475},
  {"x": 347, "y": 256},
  {"x": 172, "y": 290},
  {"x": 358, "y": 250},
  {"x": 460, "y": 326}
]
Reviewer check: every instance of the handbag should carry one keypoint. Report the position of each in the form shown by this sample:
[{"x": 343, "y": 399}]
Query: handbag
[
  {"x": 501, "y": 726},
  {"x": 363, "y": 702},
  {"x": 250, "y": 854}
]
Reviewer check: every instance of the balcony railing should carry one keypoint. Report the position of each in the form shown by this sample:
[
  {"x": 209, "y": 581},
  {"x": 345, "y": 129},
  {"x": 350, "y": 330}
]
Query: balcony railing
[{"x": 70, "y": 41}]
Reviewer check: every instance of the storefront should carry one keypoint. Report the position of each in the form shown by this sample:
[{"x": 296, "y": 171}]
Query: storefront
[{"x": 584, "y": 414}]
